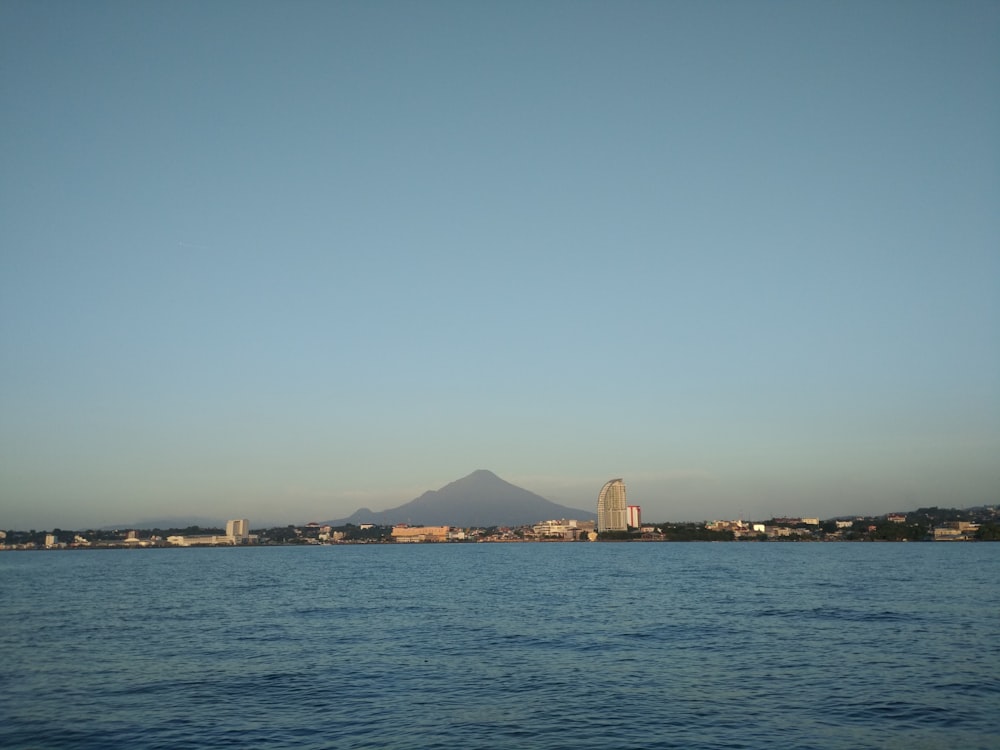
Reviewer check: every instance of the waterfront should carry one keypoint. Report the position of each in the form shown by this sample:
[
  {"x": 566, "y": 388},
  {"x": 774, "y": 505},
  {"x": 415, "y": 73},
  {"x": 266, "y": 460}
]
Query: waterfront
[{"x": 494, "y": 646}]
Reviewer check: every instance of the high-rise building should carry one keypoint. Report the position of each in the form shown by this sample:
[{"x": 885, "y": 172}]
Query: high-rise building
[
  {"x": 634, "y": 516},
  {"x": 238, "y": 530},
  {"x": 611, "y": 507}
]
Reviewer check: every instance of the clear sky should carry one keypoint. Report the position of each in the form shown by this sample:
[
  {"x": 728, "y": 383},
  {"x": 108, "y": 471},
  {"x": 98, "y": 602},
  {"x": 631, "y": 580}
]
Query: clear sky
[{"x": 281, "y": 260}]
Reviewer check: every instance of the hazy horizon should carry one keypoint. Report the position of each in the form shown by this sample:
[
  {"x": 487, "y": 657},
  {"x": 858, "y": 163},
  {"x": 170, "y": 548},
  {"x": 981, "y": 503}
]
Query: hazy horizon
[
  {"x": 267, "y": 260},
  {"x": 274, "y": 520}
]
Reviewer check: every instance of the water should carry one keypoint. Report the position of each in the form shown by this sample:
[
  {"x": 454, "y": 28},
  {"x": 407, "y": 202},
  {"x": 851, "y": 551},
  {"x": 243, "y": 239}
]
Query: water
[{"x": 503, "y": 646}]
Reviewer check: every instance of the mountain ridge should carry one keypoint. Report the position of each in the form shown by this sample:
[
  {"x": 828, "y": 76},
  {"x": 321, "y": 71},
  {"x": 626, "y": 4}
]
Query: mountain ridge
[{"x": 479, "y": 499}]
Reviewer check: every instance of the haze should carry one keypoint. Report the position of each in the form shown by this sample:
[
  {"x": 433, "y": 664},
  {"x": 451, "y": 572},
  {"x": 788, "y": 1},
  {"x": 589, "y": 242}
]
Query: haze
[{"x": 284, "y": 260}]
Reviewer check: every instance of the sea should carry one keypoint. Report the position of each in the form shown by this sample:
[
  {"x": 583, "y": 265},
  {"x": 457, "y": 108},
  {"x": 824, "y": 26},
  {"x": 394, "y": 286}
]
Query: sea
[{"x": 544, "y": 645}]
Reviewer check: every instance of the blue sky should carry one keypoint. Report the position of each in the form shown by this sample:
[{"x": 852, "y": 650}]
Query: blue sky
[{"x": 283, "y": 260}]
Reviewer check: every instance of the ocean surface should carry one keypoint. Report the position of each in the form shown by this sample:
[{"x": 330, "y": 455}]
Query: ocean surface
[{"x": 655, "y": 645}]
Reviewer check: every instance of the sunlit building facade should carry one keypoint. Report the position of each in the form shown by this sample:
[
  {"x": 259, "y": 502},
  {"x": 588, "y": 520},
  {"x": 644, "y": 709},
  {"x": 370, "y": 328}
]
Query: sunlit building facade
[
  {"x": 239, "y": 530},
  {"x": 404, "y": 533},
  {"x": 634, "y": 516},
  {"x": 612, "y": 508}
]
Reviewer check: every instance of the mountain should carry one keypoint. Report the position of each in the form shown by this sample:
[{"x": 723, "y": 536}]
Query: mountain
[{"x": 480, "y": 499}]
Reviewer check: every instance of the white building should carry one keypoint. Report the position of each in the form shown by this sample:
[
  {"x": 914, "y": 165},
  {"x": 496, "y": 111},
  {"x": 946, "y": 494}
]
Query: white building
[
  {"x": 562, "y": 528},
  {"x": 192, "y": 541},
  {"x": 239, "y": 530}
]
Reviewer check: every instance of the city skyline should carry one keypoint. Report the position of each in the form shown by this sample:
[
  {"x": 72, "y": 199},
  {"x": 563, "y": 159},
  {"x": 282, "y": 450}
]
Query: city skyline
[
  {"x": 289, "y": 261},
  {"x": 611, "y": 503}
]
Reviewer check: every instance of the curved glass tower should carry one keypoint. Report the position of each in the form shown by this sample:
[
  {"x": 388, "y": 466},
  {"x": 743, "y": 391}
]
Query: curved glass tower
[{"x": 611, "y": 507}]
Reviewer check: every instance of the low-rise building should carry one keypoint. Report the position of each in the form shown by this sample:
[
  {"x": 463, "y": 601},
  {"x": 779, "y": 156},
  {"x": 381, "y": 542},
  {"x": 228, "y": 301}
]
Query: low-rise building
[
  {"x": 779, "y": 532},
  {"x": 132, "y": 540},
  {"x": 739, "y": 528},
  {"x": 734, "y": 526},
  {"x": 955, "y": 531},
  {"x": 404, "y": 533},
  {"x": 569, "y": 529},
  {"x": 200, "y": 539}
]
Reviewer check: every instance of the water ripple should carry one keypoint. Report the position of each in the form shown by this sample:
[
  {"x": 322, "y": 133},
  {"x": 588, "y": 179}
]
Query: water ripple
[{"x": 505, "y": 646}]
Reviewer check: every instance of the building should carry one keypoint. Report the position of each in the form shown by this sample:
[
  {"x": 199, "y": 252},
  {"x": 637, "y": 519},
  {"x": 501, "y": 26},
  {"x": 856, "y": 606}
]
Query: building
[
  {"x": 634, "y": 513},
  {"x": 611, "y": 507},
  {"x": 201, "y": 539},
  {"x": 956, "y": 531},
  {"x": 737, "y": 527},
  {"x": 132, "y": 540},
  {"x": 239, "y": 530},
  {"x": 403, "y": 533},
  {"x": 568, "y": 529}
]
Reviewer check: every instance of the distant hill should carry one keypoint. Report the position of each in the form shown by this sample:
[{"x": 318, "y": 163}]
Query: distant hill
[
  {"x": 480, "y": 499},
  {"x": 177, "y": 522}
]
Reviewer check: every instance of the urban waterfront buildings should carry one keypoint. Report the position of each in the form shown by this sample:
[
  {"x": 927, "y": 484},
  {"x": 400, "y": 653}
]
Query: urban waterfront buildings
[
  {"x": 237, "y": 532},
  {"x": 611, "y": 507},
  {"x": 634, "y": 516}
]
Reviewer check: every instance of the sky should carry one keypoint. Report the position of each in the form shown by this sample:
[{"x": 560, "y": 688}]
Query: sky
[{"x": 283, "y": 260}]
